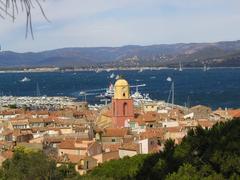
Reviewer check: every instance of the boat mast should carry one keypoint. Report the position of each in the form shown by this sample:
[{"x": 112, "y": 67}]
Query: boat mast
[{"x": 173, "y": 94}]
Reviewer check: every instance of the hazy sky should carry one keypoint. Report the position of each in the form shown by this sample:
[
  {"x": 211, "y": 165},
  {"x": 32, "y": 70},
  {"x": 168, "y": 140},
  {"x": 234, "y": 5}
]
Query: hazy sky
[{"x": 85, "y": 23}]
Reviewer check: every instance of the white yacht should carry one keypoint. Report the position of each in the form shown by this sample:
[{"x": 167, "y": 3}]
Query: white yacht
[
  {"x": 109, "y": 93},
  {"x": 25, "y": 79}
]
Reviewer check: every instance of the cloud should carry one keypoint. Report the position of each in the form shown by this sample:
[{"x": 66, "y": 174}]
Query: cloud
[{"x": 114, "y": 23}]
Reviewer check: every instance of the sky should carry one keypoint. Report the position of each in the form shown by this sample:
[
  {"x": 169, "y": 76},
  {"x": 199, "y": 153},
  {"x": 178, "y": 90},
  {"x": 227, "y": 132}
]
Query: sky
[{"x": 94, "y": 23}]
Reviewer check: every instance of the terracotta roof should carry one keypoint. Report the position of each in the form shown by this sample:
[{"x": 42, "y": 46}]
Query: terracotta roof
[
  {"x": 205, "y": 123},
  {"x": 8, "y": 112},
  {"x": 152, "y": 133},
  {"x": 75, "y": 144},
  {"x": 234, "y": 113},
  {"x": 36, "y": 129},
  {"x": 115, "y": 132},
  {"x": 150, "y": 116},
  {"x": 41, "y": 112},
  {"x": 173, "y": 129},
  {"x": 67, "y": 144},
  {"x": 32, "y": 120},
  {"x": 19, "y": 121},
  {"x": 111, "y": 147},
  {"x": 70, "y": 158},
  {"x": 130, "y": 146}
]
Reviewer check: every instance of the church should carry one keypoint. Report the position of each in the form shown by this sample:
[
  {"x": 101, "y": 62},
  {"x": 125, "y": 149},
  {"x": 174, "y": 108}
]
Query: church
[{"x": 122, "y": 104}]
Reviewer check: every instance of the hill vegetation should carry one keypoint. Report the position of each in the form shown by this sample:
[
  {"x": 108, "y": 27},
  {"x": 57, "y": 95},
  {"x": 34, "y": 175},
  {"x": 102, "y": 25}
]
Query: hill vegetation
[{"x": 169, "y": 55}]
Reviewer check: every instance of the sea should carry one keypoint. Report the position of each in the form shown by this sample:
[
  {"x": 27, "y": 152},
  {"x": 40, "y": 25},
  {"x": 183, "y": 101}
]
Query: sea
[{"x": 217, "y": 87}]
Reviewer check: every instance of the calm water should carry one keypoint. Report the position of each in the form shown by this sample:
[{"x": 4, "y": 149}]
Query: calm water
[{"x": 215, "y": 88}]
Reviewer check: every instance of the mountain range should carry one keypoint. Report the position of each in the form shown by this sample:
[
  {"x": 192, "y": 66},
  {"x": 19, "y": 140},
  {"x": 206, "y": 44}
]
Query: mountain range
[{"x": 219, "y": 54}]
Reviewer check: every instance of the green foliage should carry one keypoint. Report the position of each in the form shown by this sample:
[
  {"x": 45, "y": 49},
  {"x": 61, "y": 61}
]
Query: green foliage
[
  {"x": 188, "y": 172},
  {"x": 67, "y": 171},
  {"x": 28, "y": 165},
  {"x": 126, "y": 168},
  {"x": 31, "y": 165}
]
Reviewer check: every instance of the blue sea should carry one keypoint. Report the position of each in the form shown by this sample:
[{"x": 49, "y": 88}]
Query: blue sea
[{"x": 218, "y": 87}]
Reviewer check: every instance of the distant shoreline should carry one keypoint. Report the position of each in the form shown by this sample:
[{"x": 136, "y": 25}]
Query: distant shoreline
[{"x": 97, "y": 70}]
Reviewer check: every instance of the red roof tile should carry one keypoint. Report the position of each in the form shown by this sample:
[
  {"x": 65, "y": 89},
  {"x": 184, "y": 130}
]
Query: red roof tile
[{"x": 115, "y": 132}]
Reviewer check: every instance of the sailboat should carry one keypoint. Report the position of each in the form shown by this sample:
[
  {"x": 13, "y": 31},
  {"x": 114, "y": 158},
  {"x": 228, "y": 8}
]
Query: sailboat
[
  {"x": 112, "y": 75},
  {"x": 205, "y": 68},
  {"x": 171, "y": 92},
  {"x": 140, "y": 70},
  {"x": 180, "y": 67}
]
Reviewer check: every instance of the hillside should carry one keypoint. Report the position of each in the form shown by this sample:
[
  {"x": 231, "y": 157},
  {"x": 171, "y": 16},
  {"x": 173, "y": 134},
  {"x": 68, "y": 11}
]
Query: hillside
[{"x": 191, "y": 54}]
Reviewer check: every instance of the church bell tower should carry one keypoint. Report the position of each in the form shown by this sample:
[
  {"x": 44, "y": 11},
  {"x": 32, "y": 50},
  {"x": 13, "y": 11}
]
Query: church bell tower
[{"x": 122, "y": 104}]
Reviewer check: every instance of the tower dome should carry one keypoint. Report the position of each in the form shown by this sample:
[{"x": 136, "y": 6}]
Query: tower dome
[{"x": 121, "y": 89}]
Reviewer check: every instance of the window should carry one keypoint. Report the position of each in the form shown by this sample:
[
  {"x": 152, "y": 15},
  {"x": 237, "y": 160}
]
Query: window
[
  {"x": 113, "y": 140},
  {"x": 87, "y": 164},
  {"x": 124, "y": 94},
  {"x": 124, "y": 109}
]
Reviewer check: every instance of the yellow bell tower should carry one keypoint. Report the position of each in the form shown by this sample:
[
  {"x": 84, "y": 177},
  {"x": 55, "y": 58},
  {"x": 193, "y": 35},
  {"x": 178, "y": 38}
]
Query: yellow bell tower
[
  {"x": 122, "y": 104},
  {"x": 121, "y": 89}
]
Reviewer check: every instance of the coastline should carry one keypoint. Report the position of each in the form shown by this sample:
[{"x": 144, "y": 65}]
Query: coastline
[{"x": 97, "y": 70}]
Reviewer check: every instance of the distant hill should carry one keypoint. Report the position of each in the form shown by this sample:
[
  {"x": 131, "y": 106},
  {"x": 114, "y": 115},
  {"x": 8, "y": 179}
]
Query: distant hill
[{"x": 189, "y": 54}]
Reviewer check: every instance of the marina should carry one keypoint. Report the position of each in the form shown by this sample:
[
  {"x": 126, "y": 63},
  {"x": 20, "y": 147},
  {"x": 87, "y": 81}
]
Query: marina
[{"x": 43, "y": 102}]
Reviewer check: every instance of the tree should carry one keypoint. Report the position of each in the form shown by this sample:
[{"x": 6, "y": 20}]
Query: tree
[
  {"x": 10, "y": 8},
  {"x": 29, "y": 165},
  {"x": 188, "y": 172}
]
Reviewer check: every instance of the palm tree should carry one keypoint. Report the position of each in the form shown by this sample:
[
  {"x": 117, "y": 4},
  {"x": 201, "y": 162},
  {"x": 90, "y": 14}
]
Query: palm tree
[{"x": 11, "y": 8}]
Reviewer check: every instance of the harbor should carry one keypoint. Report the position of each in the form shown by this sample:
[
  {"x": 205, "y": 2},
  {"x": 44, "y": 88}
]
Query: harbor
[{"x": 43, "y": 102}]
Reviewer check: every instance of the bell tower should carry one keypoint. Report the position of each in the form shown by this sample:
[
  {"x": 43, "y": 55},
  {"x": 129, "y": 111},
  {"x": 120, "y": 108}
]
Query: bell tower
[{"x": 122, "y": 104}]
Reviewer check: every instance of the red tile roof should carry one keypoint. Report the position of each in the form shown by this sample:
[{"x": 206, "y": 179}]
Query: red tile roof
[
  {"x": 111, "y": 147},
  {"x": 152, "y": 133},
  {"x": 115, "y": 132},
  {"x": 130, "y": 146},
  {"x": 205, "y": 123},
  {"x": 234, "y": 113},
  {"x": 67, "y": 144}
]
